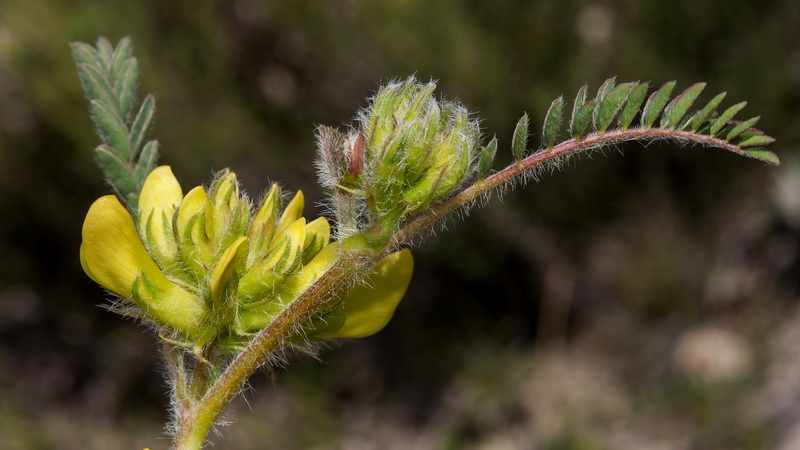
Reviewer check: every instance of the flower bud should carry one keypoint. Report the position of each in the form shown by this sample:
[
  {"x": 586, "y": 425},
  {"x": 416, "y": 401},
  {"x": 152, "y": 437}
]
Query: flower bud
[{"x": 409, "y": 150}]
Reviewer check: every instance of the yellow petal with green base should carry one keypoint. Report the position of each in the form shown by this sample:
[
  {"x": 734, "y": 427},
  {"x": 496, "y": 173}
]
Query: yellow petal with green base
[
  {"x": 195, "y": 202},
  {"x": 161, "y": 194},
  {"x": 371, "y": 304},
  {"x": 227, "y": 267},
  {"x": 318, "y": 235},
  {"x": 113, "y": 255}
]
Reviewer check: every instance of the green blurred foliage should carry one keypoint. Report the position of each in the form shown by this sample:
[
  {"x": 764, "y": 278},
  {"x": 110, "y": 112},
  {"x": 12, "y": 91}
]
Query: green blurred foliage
[{"x": 602, "y": 267}]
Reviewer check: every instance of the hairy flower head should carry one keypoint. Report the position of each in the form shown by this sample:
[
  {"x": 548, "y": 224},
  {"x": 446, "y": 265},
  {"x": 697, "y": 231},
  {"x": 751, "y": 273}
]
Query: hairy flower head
[{"x": 208, "y": 265}]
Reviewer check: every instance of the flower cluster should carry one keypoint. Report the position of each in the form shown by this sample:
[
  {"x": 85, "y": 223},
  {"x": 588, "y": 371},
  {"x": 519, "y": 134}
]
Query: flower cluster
[
  {"x": 208, "y": 266},
  {"x": 409, "y": 151}
]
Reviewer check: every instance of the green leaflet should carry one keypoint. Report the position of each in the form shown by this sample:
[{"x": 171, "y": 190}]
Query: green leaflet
[
  {"x": 612, "y": 102},
  {"x": 486, "y": 158},
  {"x": 656, "y": 103},
  {"x": 520, "y": 139},
  {"x": 116, "y": 169},
  {"x": 725, "y": 118},
  {"x": 97, "y": 86},
  {"x": 142, "y": 122},
  {"x": 125, "y": 87},
  {"x": 580, "y": 99},
  {"x": 741, "y": 128},
  {"x": 764, "y": 155},
  {"x": 147, "y": 162},
  {"x": 635, "y": 100},
  {"x": 121, "y": 55},
  {"x": 105, "y": 51},
  {"x": 702, "y": 116},
  {"x": 84, "y": 54},
  {"x": 552, "y": 122},
  {"x": 756, "y": 140},
  {"x": 602, "y": 91},
  {"x": 583, "y": 118},
  {"x": 112, "y": 129},
  {"x": 675, "y": 110}
]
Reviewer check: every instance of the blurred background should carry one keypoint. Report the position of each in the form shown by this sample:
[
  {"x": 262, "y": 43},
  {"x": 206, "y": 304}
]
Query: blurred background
[{"x": 645, "y": 301}]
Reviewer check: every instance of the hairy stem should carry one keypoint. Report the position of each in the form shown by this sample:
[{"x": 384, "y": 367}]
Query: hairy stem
[
  {"x": 195, "y": 423},
  {"x": 512, "y": 172}
]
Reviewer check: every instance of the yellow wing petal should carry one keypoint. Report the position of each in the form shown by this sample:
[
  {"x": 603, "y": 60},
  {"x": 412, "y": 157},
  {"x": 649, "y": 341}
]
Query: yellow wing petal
[
  {"x": 113, "y": 255},
  {"x": 370, "y": 305}
]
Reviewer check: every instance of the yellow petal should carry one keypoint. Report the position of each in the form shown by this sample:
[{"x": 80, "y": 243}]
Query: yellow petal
[
  {"x": 113, "y": 255},
  {"x": 266, "y": 212},
  {"x": 255, "y": 319},
  {"x": 86, "y": 266},
  {"x": 370, "y": 305},
  {"x": 161, "y": 194},
  {"x": 262, "y": 227},
  {"x": 225, "y": 197},
  {"x": 195, "y": 202},
  {"x": 293, "y": 211},
  {"x": 318, "y": 230},
  {"x": 225, "y": 269}
]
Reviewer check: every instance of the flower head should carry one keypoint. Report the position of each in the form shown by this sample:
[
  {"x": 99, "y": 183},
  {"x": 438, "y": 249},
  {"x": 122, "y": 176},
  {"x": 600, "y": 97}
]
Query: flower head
[{"x": 207, "y": 265}]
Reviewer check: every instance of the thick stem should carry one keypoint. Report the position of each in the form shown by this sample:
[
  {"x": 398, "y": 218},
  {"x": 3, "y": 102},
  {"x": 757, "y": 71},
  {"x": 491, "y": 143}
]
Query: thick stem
[
  {"x": 195, "y": 422},
  {"x": 589, "y": 142}
]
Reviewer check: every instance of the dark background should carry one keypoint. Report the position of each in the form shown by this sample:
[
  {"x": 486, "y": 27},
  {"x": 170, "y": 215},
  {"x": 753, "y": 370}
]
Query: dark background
[{"x": 645, "y": 301}]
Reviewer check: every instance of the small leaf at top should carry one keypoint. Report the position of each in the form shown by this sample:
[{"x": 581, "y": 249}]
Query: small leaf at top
[
  {"x": 707, "y": 111},
  {"x": 676, "y": 109},
  {"x": 635, "y": 100},
  {"x": 105, "y": 50},
  {"x": 121, "y": 54},
  {"x": 656, "y": 103},
  {"x": 725, "y": 118},
  {"x": 611, "y": 104},
  {"x": 552, "y": 122},
  {"x": 520, "y": 139}
]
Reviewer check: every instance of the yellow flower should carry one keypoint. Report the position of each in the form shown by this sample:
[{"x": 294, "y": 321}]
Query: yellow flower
[{"x": 203, "y": 266}]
